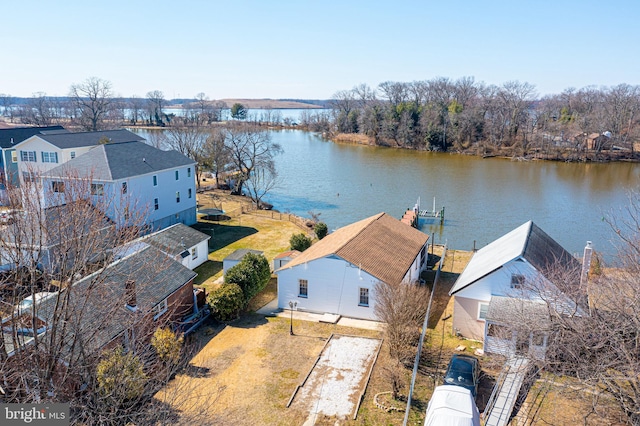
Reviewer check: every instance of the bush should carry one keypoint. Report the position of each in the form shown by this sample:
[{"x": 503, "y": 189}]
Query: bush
[
  {"x": 252, "y": 274},
  {"x": 321, "y": 230},
  {"x": 120, "y": 376},
  {"x": 226, "y": 302},
  {"x": 300, "y": 242}
]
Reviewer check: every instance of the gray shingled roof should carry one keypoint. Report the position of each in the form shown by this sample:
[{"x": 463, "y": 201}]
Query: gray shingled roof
[
  {"x": 97, "y": 302},
  {"x": 176, "y": 238},
  {"x": 240, "y": 253},
  {"x": 527, "y": 241},
  {"x": 80, "y": 139},
  {"x": 121, "y": 160},
  {"x": 11, "y": 137}
]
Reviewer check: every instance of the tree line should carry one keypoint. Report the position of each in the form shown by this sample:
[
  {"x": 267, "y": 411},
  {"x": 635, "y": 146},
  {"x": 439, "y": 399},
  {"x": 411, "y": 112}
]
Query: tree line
[{"x": 468, "y": 116}]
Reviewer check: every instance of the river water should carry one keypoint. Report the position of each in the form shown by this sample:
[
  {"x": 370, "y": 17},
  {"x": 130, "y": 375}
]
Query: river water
[{"x": 483, "y": 198}]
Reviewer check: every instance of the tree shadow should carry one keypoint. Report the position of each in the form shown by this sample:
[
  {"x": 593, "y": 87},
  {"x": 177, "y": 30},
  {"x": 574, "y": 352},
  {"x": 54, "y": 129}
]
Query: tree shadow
[
  {"x": 223, "y": 235},
  {"x": 249, "y": 320}
]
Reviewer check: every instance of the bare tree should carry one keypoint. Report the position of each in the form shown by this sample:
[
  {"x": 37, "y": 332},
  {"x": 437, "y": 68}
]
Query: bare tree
[
  {"x": 93, "y": 102},
  {"x": 64, "y": 346},
  {"x": 215, "y": 154},
  {"x": 250, "y": 148},
  {"x": 155, "y": 105},
  {"x": 263, "y": 179}
]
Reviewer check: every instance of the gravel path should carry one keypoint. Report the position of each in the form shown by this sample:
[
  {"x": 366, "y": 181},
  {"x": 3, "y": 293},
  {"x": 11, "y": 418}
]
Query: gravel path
[{"x": 335, "y": 384}]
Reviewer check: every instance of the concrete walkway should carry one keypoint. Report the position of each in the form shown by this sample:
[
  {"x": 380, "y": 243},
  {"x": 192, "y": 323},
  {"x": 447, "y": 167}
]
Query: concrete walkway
[{"x": 271, "y": 310}]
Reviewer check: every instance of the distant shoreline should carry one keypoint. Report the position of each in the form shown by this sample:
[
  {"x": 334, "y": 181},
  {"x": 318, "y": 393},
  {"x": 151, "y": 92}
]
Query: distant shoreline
[{"x": 263, "y": 104}]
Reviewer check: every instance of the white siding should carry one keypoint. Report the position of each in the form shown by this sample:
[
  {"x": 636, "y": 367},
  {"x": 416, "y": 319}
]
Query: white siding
[
  {"x": 203, "y": 254},
  {"x": 333, "y": 287}
]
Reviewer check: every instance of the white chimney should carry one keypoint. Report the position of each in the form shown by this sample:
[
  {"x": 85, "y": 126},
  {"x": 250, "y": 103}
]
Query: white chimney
[{"x": 586, "y": 262}]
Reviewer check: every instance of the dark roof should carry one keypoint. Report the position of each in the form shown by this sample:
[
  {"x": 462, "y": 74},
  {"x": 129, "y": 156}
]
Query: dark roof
[
  {"x": 240, "y": 253},
  {"x": 176, "y": 238},
  {"x": 11, "y": 137},
  {"x": 528, "y": 242},
  {"x": 120, "y": 160},
  {"x": 97, "y": 303},
  {"x": 82, "y": 139}
]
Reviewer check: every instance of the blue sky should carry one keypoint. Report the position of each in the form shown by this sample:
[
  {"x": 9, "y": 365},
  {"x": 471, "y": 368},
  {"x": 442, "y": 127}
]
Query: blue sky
[{"x": 312, "y": 49}]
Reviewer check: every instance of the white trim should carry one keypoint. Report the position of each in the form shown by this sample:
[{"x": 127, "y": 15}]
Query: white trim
[
  {"x": 159, "y": 309},
  {"x": 480, "y": 304}
]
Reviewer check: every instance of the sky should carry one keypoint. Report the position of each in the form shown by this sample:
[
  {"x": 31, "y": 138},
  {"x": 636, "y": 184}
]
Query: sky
[{"x": 302, "y": 49}]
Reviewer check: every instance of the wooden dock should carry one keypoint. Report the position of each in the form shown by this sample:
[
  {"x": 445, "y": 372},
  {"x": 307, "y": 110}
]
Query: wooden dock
[{"x": 412, "y": 216}]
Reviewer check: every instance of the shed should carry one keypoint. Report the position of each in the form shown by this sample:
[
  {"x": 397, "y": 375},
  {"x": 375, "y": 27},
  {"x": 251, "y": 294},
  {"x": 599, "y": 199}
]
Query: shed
[
  {"x": 234, "y": 258},
  {"x": 283, "y": 258}
]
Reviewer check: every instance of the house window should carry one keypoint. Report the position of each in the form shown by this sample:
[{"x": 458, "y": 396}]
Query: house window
[
  {"x": 189, "y": 192},
  {"x": 483, "y": 308},
  {"x": 124, "y": 187},
  {"x": 28, "y": 156},
  {"x": 177, "y": 196},
  {"x": 499, "y": 331},
  {"x": 155, "y": 180},
  {"x": 188, "y": 171},
  {"x": 57, "y": 186},
  {"x": 364, "y": 297},
  {"x": 14, "y": 156},
  {"x": 517, "y": 280},
  {"x": 97, "y": 189},
  {"x": 156, "y": 205},
  {"x": 28, "y": 177},
  {"x": 159, "y": 309},
  {"x": 73, "y": 155},
  {"x": 177, "y": 175},
  {"x": 194, "y": 253},
  {"x": 304, "y": 288},
  {"x": 49, "y": 157}
]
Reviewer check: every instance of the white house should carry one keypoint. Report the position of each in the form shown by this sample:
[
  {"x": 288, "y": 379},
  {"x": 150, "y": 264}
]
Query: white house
[
  {"x": 43, "y": 152},
  {"x": 507, "y": 281},
  {"x": 132, "y": 182},
  {"x": 234, "y": 258},
  {"x": 182, "y": 243},
  {"x": 338, "y": 274}
]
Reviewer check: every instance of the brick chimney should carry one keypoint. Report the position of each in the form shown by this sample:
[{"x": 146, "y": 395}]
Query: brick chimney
[{"x": 130, "y": 294}]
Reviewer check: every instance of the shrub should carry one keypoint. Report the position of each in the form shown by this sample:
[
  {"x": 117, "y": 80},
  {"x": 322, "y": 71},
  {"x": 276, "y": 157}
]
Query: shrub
[
  {"x": 252, "y": 274},
  {"x": 321, "y": 230},
  {"x": 121, "y": 376},
  {"x": 167, "y": 344},
  {"x": 227, "y": 301},
  {"x": 300, "y": 242}
]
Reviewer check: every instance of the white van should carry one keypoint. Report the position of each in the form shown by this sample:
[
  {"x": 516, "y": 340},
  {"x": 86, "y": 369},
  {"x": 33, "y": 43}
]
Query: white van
[{"x": 452, "y": 405}]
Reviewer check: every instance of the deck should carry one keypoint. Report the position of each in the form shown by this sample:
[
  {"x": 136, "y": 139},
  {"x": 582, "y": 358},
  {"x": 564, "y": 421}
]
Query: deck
[{"x": 505, "y": 392}]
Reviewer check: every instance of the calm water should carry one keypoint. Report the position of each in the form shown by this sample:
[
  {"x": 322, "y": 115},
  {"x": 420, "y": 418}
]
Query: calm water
[{"x": 483, "y": 198}]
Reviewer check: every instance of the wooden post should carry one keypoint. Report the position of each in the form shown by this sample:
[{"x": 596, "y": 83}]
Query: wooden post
[{"x": 442, "y": 216}]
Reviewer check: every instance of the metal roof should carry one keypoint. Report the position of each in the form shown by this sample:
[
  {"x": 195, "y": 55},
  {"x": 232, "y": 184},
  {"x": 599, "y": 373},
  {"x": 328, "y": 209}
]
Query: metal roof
[{"x": 527, "y": 241}]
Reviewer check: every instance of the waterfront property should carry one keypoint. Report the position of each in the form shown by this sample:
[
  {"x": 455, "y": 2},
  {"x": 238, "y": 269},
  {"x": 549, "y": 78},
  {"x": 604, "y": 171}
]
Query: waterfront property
[
  {"x": 338, "y": 274},
  {"x": 131, "y": 181},
  {"x": 502, "y": 296},
  {"x": 45, "y": 151},
  {"x": 9, "y": 138}
]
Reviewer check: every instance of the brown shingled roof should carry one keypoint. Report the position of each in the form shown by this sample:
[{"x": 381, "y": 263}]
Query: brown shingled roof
[{"x": 381, "y": 245}]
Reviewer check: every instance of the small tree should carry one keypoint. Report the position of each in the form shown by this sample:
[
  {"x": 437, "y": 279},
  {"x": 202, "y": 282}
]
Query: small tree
[
  {"x": 167, "y": 344},
  {"x": 300, "y": 242},
  {"x": 238, "y": 111},
  {"x": 321, "y": 230},
  {"x": 227, "y": 301},
  {"x": 252, "y": 274}
]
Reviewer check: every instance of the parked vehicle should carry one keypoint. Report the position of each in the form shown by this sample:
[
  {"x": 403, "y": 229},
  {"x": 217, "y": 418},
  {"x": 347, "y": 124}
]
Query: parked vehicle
[
  {"x": 452, "y": 405},
  {"x": 463, "y": 370}
]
